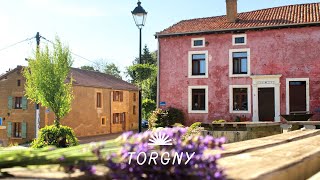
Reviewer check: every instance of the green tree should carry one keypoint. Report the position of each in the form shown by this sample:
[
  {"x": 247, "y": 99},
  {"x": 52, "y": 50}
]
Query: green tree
[
  {"x": 48, "y": 81},
  {"x": 89, "y": 68},
  {"x": 144, "y": 75},
  {"x": 112, "y": 69}
]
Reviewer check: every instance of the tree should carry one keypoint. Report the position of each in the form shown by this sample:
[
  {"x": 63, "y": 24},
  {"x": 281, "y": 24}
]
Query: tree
[
  {"x": 144, "y": 75},
  {"x": 89, "y": 68},
  {"x": 112, "y": 69},
  {"x": 48, "y": 81}
]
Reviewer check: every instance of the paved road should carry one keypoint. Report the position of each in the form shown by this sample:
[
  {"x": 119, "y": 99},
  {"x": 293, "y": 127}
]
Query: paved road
[{"x": 84, "y": 140}]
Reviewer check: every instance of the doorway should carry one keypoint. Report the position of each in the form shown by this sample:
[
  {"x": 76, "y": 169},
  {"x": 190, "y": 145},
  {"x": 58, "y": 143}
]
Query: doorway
[
  {"x": 266, "y": 104},
  {"x": 297, "y": 95}
]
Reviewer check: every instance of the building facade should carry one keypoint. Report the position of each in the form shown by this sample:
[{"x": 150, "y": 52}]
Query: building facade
[
  {"x": 102, "y": 104},
  {"x": 243, "y": 66}
]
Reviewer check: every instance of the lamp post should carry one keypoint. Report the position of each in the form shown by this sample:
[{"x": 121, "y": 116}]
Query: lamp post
[{"x": 139, "y": 16}]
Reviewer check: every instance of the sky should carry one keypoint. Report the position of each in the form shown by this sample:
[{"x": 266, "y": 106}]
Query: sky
[{"x": 100, "y": 29}]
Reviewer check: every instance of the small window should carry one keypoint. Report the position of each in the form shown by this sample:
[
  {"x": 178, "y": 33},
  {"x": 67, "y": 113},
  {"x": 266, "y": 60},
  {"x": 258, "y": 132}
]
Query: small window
[
  {"x": 118, "y": 96},
  {"x": 198, "y": 99},
  {"x": 18, "y": 103},
  {"x": 19, "y": 82},
  {"x": 240, "y": 99},
  {"x": 99, "y": 104},
  {"x": 1, "y": 121},
  {"x": 239, "y": 39},
  {"x": 103, "y": 121},
  {"x": 122, "y": 118},
  {"x": 198, "y": 64},
  {"x": 17, "y": 130},
  {"x": 134, "y": 110},
  {"x": 239, "y": 62},
  {"x": 134, "y": 97},
  {"x": 116, "y": 118},
  {"x": 197, "y": 42}
]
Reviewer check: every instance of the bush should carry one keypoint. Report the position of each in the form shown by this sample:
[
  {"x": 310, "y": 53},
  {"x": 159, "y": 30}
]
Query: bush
[
  {"x": 165, "y": 118},
  {"x": 194, "y": 130},
  {"x": 177, "y": 125},
  {"x": 219, "y": 121},
  {"x": 51, "y": 135},
  {"x": 148, "y": 105},
  {"x": 203, "y": 164}
]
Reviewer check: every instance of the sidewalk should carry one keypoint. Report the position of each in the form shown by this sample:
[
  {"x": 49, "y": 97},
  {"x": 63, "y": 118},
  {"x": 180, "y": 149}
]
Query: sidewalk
[{"x": 89, "y": 139}]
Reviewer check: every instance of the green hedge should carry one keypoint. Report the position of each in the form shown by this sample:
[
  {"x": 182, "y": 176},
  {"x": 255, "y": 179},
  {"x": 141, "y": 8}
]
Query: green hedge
[{"x": 62, "y": 136}]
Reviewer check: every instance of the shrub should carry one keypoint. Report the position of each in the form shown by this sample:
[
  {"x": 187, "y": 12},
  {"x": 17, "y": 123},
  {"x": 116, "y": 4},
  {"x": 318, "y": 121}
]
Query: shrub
[
  {"x": 194, "y": 130},
  {"x": 177, "y": 125},
  {"x": 165, "y": 118},
  {"x": 202, "y": 165},
  {"x": 219, "y": 121},
  {"x": 148, "y": 105},
  {"x": 62, "y": 136}
]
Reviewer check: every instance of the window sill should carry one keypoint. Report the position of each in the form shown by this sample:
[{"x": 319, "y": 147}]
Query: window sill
[
  {"x": 16, "y": 138},
  {"x": 3, "y": 127},
  {"x": 239, "y": 75},
  {"x": 201, "y": 76},
  {"x": 198, "y": 112},
  {"x": 240, "y": 112}
]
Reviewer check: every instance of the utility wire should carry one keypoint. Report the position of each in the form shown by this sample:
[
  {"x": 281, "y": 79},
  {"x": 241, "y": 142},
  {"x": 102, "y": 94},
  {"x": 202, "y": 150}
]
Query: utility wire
[
  {"x": 28, "y": 39},
  {"x": 71, "y": 51}
]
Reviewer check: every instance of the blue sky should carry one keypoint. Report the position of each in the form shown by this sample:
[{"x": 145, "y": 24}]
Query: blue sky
[{"x": 100, "y": 29}]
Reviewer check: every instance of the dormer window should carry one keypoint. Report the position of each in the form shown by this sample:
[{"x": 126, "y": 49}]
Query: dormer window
[
  {"x": 197, "y": 42},
  {"x": 239, "y": 39}
]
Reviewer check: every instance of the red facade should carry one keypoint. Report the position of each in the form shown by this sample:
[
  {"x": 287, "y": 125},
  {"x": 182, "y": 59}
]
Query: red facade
[{"x": 276, "y": 57}]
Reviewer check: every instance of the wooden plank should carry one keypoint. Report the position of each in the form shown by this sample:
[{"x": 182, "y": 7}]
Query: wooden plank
[
  {"x": 254, "y": 144},
  {"x": 294, "y": 160},
  {"x": 315, "y": 177}
]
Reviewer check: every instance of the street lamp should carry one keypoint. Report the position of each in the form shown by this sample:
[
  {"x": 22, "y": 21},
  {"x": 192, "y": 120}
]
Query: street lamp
[{"x": 139, "y": 16}]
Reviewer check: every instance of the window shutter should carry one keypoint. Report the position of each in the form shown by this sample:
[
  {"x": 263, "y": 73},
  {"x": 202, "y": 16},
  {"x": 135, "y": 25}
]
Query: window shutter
[
  {"x": 121, "y": 96},
  {"x": 114, "y": 95},
  {"x": 24, "y": 103},
  {"x": 24, "y": 130},
  {"x": 9, "y": 129},
  {"x": 10, "y": 102}
]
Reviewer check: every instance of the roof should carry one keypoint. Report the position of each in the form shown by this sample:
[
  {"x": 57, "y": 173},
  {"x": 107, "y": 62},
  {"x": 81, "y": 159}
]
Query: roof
[
  {"x": 97, "y": 79},
  {"x": 265, "y": 18},
  {"x": 91, "y": 79}
]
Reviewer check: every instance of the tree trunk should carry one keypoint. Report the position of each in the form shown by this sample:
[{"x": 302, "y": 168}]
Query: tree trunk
[{"x": 57, "y": 122}]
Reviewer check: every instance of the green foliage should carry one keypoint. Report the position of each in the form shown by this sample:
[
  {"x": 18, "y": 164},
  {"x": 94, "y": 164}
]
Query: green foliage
[
  {"x": 219, "y": 121},
  {"x": 89, "y": 68},
  {"x": 48, "y": 81},
  {"x": 148, "y": 106},
  {"x": 141, "y": 72},
  {"x": 177, "y": 125},
  {"x": 62, "y": 136},
  {"x": 165, "y": 118},
  {"x": 193, "y": 130},
  {"x": 112, "y": 69}
]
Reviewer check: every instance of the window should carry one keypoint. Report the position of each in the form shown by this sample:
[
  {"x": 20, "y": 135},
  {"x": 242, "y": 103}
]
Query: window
[
  {"x": 134, "y": 97},
  {"x": 99, "y": 104},
  {"x": 18, "y": 103},
  {"x": 122, "y": 118},
  {"x": 239, "y": 39},
  {"x": 134, "y": 110},
  {"x": 240, "y": 101},
  {"x": 239, "y": 62},
  {"x": 198, "y": 64},
  {"x": 16, "y": 130},
  {"x": 19, "y": 82},
  {"x": 197, "y": 42},
  {"x": 0, "y": 121},
  {"x": 198, "y": 99},
  {"x": 116, "y": 118},
  {"x": 118, "y": 96},
  {"x": 103, "y": 121}
]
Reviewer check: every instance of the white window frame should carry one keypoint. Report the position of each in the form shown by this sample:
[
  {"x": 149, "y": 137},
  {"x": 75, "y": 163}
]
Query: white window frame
[
  {"x": 237, "y": 36},
  {"x": 231, "y": 87},
  {"x": 288, "y": 94},
  {"x": 190, "y": 88},
  {"x": 190, "y": 64},
  {"x": 231, "y": 51},
  {"x": 195, "y": 39}
]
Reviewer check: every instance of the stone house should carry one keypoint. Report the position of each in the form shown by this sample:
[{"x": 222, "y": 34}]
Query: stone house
[
  {"x": 252, "y": 65},
  {"x": 102, "y": 104}
]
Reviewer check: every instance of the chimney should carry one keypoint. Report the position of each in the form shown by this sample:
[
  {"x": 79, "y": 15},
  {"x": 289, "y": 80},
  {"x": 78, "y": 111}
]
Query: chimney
[{"x": 231, "y": 10}]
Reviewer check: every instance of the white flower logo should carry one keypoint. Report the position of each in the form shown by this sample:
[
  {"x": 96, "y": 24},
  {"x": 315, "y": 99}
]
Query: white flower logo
[{"x": 160, "y": 140}]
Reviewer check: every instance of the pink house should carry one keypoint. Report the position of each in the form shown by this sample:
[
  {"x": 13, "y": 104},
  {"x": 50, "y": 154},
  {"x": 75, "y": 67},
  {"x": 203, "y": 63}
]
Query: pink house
[{"x": 254, "y": 65}]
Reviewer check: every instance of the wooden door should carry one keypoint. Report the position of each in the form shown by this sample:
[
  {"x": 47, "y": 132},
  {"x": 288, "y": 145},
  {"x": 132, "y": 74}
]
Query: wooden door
[{"x": 266, "y": 104}]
